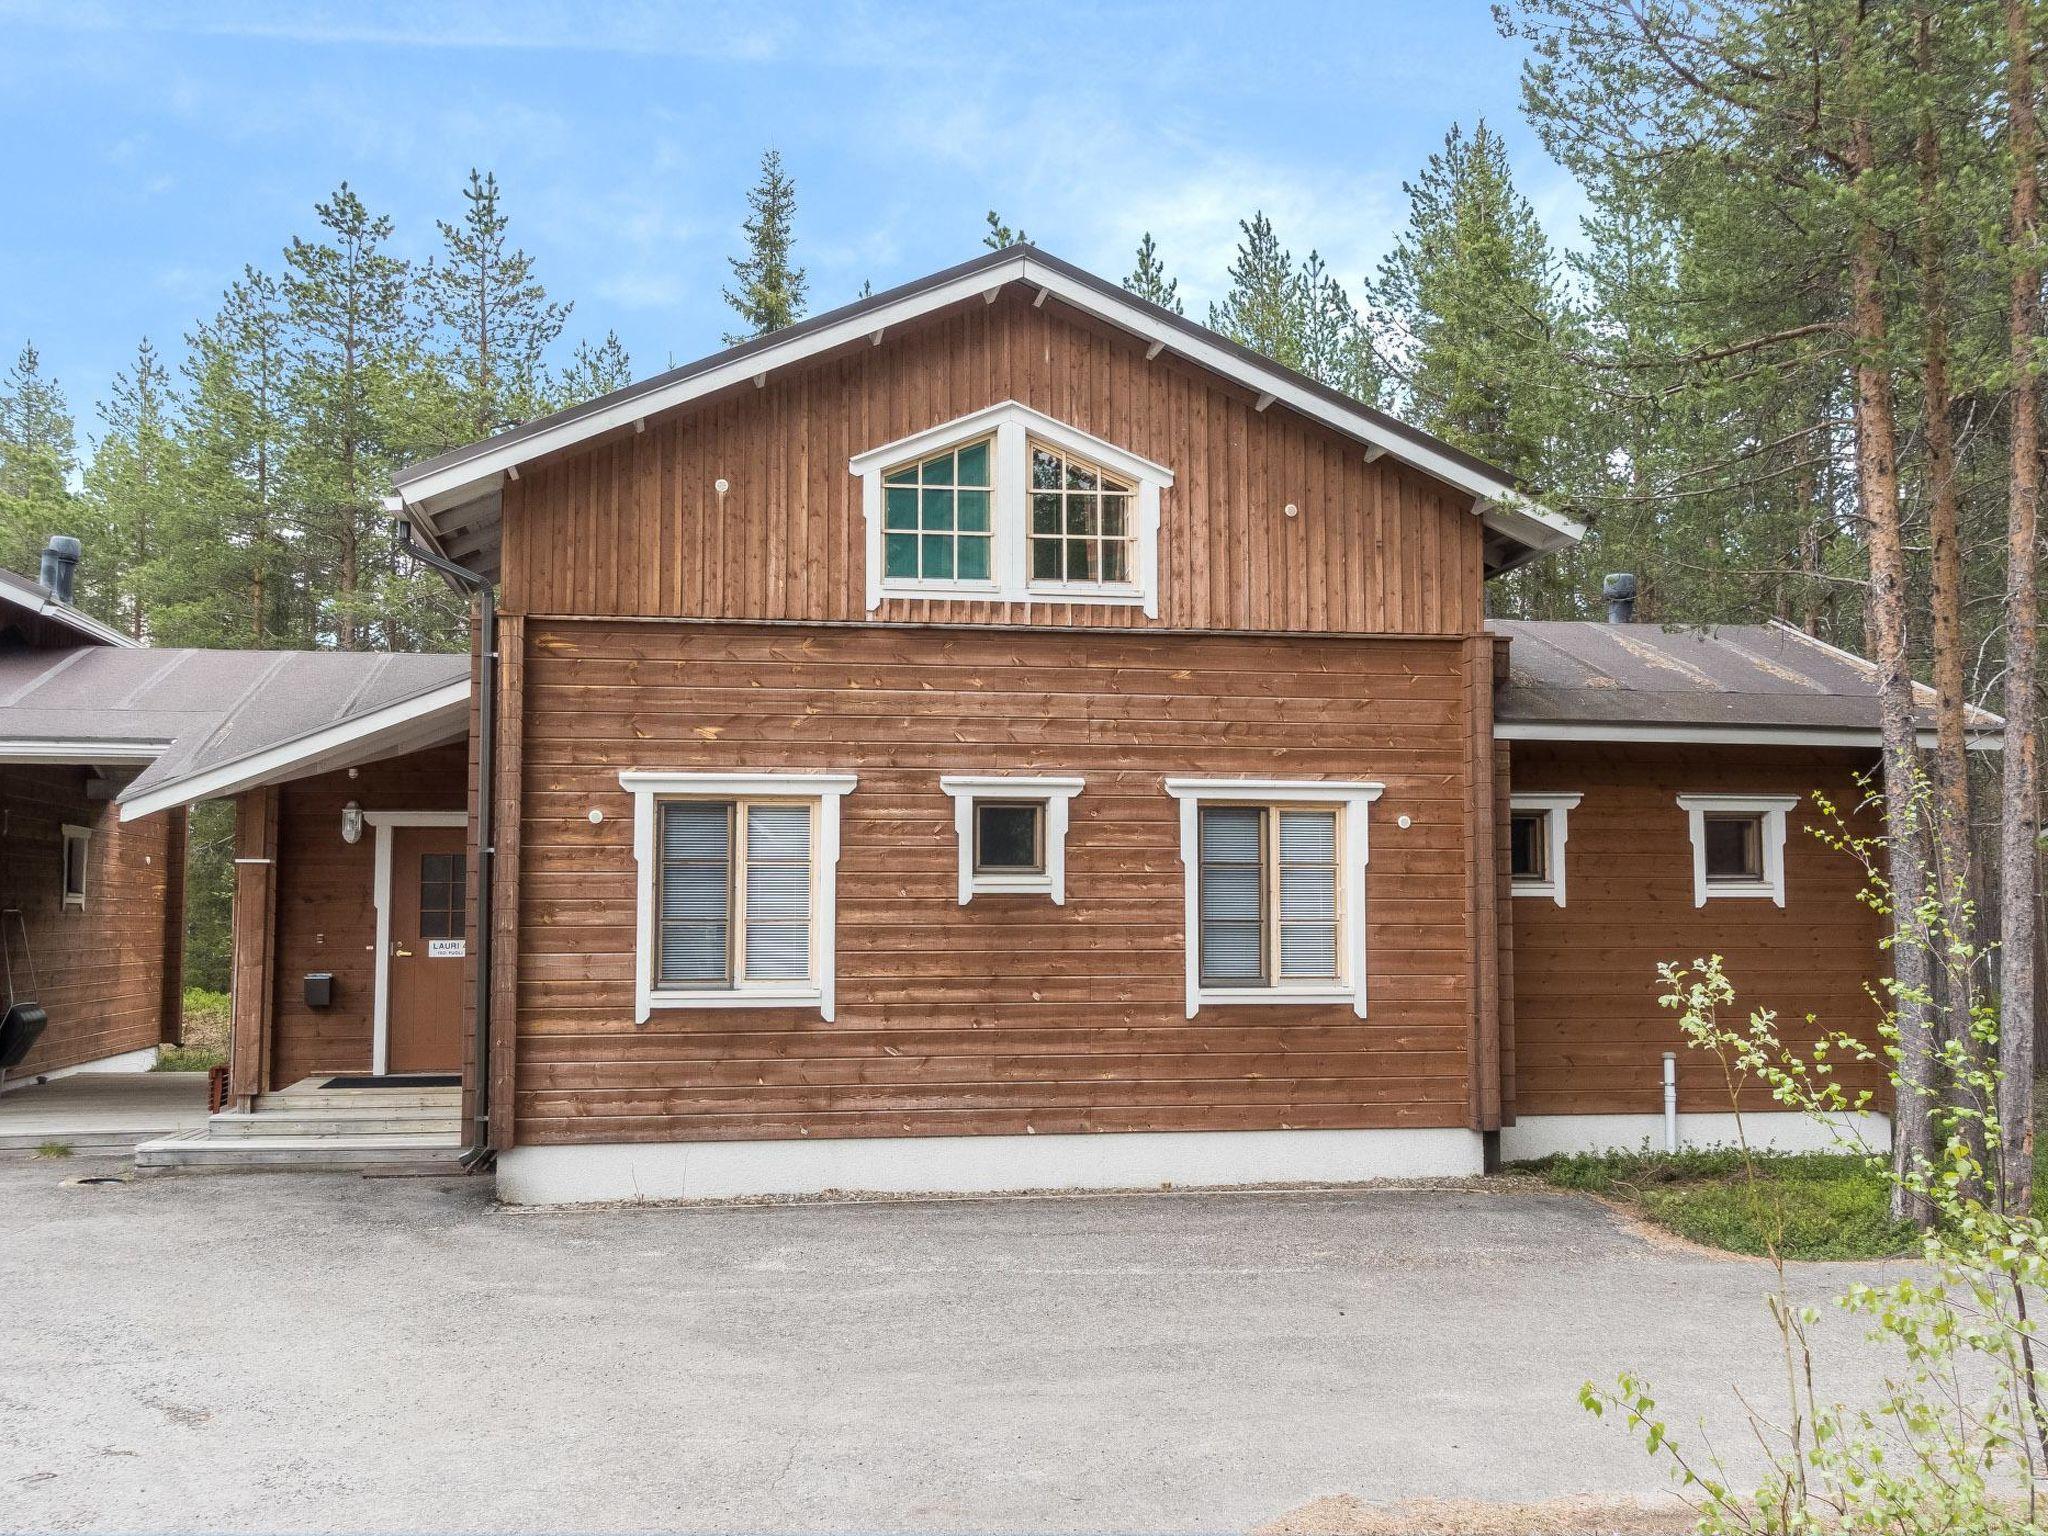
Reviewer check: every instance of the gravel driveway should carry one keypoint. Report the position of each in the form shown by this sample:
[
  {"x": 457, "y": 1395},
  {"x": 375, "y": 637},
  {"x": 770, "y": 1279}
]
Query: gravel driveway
[{"x": 289, "y": 1352}]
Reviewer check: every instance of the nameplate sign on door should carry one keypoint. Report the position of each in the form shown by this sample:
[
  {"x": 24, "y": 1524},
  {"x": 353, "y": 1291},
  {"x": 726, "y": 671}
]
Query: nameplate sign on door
[{"x": 447, "y": 949}]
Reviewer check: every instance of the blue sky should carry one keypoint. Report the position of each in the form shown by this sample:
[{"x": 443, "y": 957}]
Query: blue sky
[{"x": 154, "y": 149}]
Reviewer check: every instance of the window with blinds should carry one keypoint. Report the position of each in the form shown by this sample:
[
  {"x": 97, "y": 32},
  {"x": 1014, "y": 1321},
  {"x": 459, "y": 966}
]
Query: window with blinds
[
  {"x": 1268, "y": 896},
  {"x": 735, "y": 897}
]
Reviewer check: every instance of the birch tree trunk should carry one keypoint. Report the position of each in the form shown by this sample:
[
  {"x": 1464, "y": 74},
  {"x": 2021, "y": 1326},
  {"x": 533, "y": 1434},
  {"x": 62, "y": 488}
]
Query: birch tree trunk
[{"x": 2019, "y": 807}]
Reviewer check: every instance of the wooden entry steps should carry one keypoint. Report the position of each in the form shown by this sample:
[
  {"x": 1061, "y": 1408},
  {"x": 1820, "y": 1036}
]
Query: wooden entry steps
[{"x": 309, "y": 1128}]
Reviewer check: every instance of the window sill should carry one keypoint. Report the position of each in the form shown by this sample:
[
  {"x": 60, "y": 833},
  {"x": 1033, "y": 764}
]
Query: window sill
[
  {"x": 1010, "y": 885},
  {"x": 1313, "y": 997},
  {"x": 1543, "y": 888},
  {"x": 747, "y": 997},
  {"x": 1123, "y": 597},
  {"x": 1762, "y": 891}
]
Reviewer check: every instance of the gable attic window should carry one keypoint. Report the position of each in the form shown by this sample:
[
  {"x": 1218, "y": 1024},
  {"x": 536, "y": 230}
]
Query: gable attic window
[
  {"x": 736, "y": 878},
  {"x": 1738, "y": 845},
  {"x": 1010, "y": 505},
  {"x": 1537, "y": 834}
]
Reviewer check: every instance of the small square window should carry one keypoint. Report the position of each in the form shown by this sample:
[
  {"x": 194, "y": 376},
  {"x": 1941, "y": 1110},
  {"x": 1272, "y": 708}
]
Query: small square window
[
  {"x": 1009, "y": 839},
  {"x": 1734, "y": 849},
  {"x": 1529, "y": 848},
  {"x": 1012, "y": 832}
]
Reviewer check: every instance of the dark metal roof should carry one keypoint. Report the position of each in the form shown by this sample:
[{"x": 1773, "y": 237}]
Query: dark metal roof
[
  {"x": 940, "y": 279},
  {"x": 206, "y": 708},
  {"x": 1768, "y": 676}
]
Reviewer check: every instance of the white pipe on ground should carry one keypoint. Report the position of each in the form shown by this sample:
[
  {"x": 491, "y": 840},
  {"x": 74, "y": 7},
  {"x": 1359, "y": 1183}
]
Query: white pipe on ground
[{"x": 1671, "y": 1101}]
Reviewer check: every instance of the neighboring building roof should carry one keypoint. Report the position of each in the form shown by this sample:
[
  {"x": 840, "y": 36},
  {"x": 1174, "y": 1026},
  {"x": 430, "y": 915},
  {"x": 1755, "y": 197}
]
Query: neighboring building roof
[
  {"x": 209, "y": 723},
  {"x": 1766, "y": 683},
  {"x": 455, "y": 495},
  {"x": 33, "y": 597}
]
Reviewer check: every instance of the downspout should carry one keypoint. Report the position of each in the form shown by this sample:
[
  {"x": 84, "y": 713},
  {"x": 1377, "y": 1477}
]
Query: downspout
[
  {"x": 1671, "y": 1101},
  {"x": 479, "y": 1151}
]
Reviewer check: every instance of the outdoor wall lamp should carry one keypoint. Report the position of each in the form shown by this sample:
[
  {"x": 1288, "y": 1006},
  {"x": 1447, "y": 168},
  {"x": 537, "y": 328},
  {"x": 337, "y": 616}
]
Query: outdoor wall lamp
[{"x": 351, "y": 823}]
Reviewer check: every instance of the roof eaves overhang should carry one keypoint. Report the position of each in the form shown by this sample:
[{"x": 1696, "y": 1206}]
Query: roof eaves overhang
[
  {"x": 1714, "y": 734},
  {"x": 424, "y": 720},
  {"x": 436, "y": 486},
  {"x": 80, "y": 751}
]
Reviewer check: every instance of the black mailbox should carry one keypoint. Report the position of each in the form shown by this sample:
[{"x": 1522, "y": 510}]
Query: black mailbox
[{"x": 319, "y": 989}]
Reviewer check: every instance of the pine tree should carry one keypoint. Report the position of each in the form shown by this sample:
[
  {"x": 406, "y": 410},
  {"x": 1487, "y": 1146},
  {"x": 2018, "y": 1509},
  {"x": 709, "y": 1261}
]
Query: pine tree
[
  {"x": 1148, "y": 279},
  {"x": 1471, "y": 297},
  {"x": 38, "y": 458},
  {"x": 130, "y": 487},
  {"x": 359, "y": 395},
  {"x": 1300, "y": 316},
  {"x": 771, "y": 290},
  {"x": 592, "y": 371},
  {"x": 497, "y": 317},
  {"x": 1000, "y": 236}
]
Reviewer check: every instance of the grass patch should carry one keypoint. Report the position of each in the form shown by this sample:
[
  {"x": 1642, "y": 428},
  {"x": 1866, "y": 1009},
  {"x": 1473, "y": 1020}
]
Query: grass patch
[
  {"x": 206, "y": 1034},
  {"x": 54, "y": 1149},
  {"x": 1830, "y": 1205}
]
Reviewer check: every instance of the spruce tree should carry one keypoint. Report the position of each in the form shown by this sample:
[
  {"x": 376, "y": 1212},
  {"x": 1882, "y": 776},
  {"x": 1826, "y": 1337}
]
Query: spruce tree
[
  {"x": 771, "y": 290},
  {"x": 495, "y": 316},
  {"x": 1300, "y": 316},
  {"x": 38, "y": 457},
  {"x": 1148, "y": 279},
  {"x": 130, "y": 488}
]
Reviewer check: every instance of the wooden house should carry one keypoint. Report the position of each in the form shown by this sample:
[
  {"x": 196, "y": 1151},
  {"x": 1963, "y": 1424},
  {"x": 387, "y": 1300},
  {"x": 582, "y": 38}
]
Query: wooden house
[{"x": 1003, "y": 735}]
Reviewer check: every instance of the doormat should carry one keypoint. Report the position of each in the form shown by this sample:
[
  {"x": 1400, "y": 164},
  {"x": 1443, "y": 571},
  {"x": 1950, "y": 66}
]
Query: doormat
[{"x": 398, "y": 1080}]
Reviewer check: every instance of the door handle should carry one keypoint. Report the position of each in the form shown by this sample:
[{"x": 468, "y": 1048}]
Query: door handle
[{"x": 400, "y": 950}]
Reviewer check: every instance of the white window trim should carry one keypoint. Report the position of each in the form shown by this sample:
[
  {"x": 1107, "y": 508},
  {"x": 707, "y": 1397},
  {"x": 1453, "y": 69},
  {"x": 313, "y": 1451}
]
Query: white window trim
[
  {"x": 1354, "y": 797},
  {"x": 650, "y": 785},
  {"x": 1772, "y": 808},
  {"x": 74, "y": 901},
  {"x": 1557, "y": 829},
  {"x": 1053, "y": 794},
  {"x": 1013, "y": 425}
]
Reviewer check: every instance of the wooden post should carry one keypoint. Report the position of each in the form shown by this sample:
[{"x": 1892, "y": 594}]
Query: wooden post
[
  {"x": 504, "y": 979},
  {"x": 255, "y": 928},
  {"x": 171, "y": 1006}
]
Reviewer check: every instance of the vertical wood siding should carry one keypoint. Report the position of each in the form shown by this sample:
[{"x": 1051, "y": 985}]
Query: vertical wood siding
[
  {"x": 634, "y": 527},
  {"x": 102, "y": 969},
  {"x": 1589, "y": 1035},
  {"x": 1011, "y": 1014}
]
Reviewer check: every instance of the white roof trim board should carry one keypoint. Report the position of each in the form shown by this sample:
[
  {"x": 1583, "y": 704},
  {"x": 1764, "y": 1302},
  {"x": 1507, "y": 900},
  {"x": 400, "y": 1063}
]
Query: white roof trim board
[
  {"x": 40, "y": 750},
  {"x": 1724, "y": 735},
  {"x": 454, "y": 480},
  {"x": 424, "y": 720}
]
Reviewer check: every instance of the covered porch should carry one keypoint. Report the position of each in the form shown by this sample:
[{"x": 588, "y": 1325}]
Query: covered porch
[{"x": 353, "y": 924}]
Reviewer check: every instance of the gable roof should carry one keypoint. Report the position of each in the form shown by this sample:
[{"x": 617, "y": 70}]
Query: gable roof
[
  {"x": 206, "y": 723},
  {"x": 32, "y": 597},
  {"x": 453, "y": 497},
  {"x": 1729, "y": 683}
]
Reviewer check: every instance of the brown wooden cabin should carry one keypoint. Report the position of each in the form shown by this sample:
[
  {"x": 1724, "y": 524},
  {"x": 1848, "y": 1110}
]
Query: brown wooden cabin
[
  {"x": 91, "y": 911},
  {"x": 1003, "y": 735}
]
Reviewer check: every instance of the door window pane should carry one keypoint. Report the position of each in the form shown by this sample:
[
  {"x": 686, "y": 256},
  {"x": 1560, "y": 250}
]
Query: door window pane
[{"x": 441, "y": 895}]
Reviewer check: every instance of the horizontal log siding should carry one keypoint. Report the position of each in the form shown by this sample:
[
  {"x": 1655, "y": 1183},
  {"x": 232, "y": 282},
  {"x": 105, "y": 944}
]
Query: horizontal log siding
[
  {"x": 326, "y": 909},
  {"x": 1009, "y": 1015},
  {"x": 1589, "y": 1035},
  {"x": 100, "y": 970},
  {"x": 635, "y": 527}
]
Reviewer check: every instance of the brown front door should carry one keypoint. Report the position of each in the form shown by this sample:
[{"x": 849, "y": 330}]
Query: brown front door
[{"x": 428, "y": 950}]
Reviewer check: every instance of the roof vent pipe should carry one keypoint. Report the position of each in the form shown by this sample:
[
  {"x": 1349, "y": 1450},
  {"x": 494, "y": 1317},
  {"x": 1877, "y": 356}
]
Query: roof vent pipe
[
  {"x": 1620, "y": 591},
  {"x": 60, "y": 564}
]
